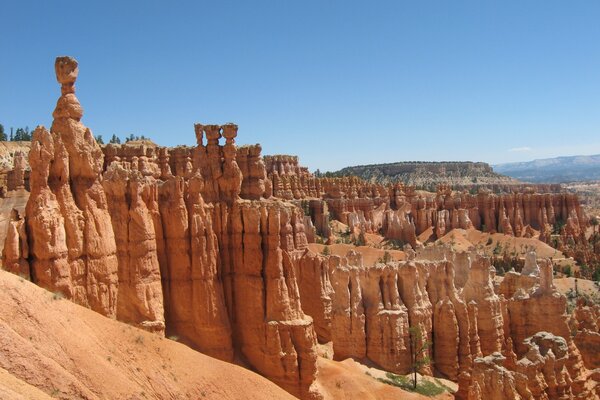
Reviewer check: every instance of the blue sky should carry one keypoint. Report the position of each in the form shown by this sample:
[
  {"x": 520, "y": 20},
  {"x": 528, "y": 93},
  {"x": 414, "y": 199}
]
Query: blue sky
[{"x": 336, "y": 82}]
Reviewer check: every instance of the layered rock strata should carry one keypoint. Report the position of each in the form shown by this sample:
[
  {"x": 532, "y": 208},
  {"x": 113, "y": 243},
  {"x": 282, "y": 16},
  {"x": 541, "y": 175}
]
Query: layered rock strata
[
  {"x": 162, "y": 239},
  {"x": 495, "y": 347},
  {"x": 200, "y": 242}
]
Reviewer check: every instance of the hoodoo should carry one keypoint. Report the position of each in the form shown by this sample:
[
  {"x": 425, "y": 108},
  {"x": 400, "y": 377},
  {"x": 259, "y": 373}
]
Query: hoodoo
[{"x": 216, "y": 245}]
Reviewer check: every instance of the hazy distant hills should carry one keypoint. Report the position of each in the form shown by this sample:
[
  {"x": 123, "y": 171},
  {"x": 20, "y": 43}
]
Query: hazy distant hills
[
  {"x": 554, "y": 170},
  {"x": 428, "y": 174}
]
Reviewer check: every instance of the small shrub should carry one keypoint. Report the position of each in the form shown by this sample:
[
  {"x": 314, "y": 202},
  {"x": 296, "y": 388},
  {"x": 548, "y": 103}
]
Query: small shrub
[
  {"x": 174, "y": 338},
  {"x": 396, "y": 244},
  {"x": 498, "y": 249},
  {"x": 360, "y": 240},
  {"x": 326, "y": 251},
  {"x": 57, "y": 296}
]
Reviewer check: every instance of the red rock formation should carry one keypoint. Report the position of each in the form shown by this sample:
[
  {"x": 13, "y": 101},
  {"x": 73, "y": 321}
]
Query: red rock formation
[
  {"x": 491, "y": 380},
  {"x": 197, "y": 242},
  {"x": 254, "y": 184},
  {"x": 480, "y": 290},
  {"x": 542, "y": 373},
  {"x": 451, "y": 326},
  {"x": 16, "y": 179},
  {"x": 16, "y": 249},
  {"x": 586, "y": 326},
  {"x": 73, "y": 246},
  {"x": 270, "y": 327},
  {"x": 541, "y": 308},
  {"x": 108, "y": 242},
  {"x": 140, "y": 297}
]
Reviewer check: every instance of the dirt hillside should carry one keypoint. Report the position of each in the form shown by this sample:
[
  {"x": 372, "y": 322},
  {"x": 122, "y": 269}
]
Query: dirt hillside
[{"x": 52, "y": 347}]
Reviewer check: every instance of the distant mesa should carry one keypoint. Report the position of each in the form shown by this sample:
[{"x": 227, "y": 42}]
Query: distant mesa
[
  {"x": 424, "y": 173},
  {"x": 554, "y": 170}
]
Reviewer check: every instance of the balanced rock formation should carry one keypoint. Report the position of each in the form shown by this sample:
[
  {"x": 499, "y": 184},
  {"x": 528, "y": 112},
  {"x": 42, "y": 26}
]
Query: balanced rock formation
[{"x": 72, "y": 243}]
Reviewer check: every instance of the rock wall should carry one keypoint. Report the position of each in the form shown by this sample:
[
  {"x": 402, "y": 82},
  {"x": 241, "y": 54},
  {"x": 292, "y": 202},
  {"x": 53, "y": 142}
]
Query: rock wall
[
  {"x": 398, "y": 211},
  {"x": 180, "y": 253},
  {"x": 201, "y": 243},
  {"x": 495, "y": 347}
]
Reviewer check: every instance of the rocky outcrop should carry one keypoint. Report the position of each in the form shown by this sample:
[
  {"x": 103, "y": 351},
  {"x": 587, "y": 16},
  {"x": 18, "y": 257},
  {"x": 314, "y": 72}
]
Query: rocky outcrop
[
  {"x": 202, "y": 243},
  {"x": 162, "y": 239},
  {"x": 585, "y": 324},
  {"x": 493, "y": 347},
  {"x": 491, "y": 380},
  {"x": 15, "y": 253},
  {"x": 479, "y": 290},
  {"x": 72, "y": 244},
  {"x": 18, "y": 177},
  {"x": 400, "y": 212},
  {"x": 140, "y": 297},
  {"x": 541, "y": 373},
  {"x": 195, "y": 306},
  {"x": 255, "y": 183},
  {"x": 270, "y": 326},
  {"x": 13, "y": 165}
]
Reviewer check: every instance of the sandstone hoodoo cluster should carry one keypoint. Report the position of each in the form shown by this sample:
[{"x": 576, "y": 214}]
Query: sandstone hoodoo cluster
[
  {"x": 212, "y": 244},
  {"x": 401, "y": 212}
]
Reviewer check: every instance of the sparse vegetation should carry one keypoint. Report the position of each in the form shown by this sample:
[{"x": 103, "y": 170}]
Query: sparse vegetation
[
  {"x": 558, "y": 226},
  {"x": 326, "y": 251},
  {"x": 497, "y": 249},
  {"x": 396, "y": 244},
  {"x": 386, "y": 258},
  {"x": 424, "y": 387},
  {"x": 360, "y": 240},
  {"x": 567, "y": 271},
  {"x": 419, "y": 349}
]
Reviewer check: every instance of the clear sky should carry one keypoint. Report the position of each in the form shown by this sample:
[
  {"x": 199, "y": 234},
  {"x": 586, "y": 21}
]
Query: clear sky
[{"x": 336, "y": 82}]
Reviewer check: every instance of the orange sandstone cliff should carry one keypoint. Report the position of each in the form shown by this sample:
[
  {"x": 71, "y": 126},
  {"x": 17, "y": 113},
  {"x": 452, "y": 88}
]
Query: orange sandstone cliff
[{"x": 210, "y": 244}]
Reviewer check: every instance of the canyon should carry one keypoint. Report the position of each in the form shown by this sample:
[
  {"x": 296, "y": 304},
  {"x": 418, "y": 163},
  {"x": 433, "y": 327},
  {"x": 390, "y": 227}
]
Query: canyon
[{"x": 229, "y": 251}]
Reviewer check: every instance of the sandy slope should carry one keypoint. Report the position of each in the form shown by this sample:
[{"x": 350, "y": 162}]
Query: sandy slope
[
  {"x": 564, "y": 285},
  {"x": 371, "y": 255},
  {"x": 13, "y": 388},
  {"x": 463, "y": 239},
  {"x": 347, "y": 380},
  {"x": 51, "y": 345}
]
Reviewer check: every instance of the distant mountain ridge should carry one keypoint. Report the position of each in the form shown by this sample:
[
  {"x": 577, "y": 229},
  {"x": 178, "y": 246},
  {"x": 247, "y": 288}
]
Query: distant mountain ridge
[
  {"x": 424, "y": 173},
  {"x": 554, "y": 170}
]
